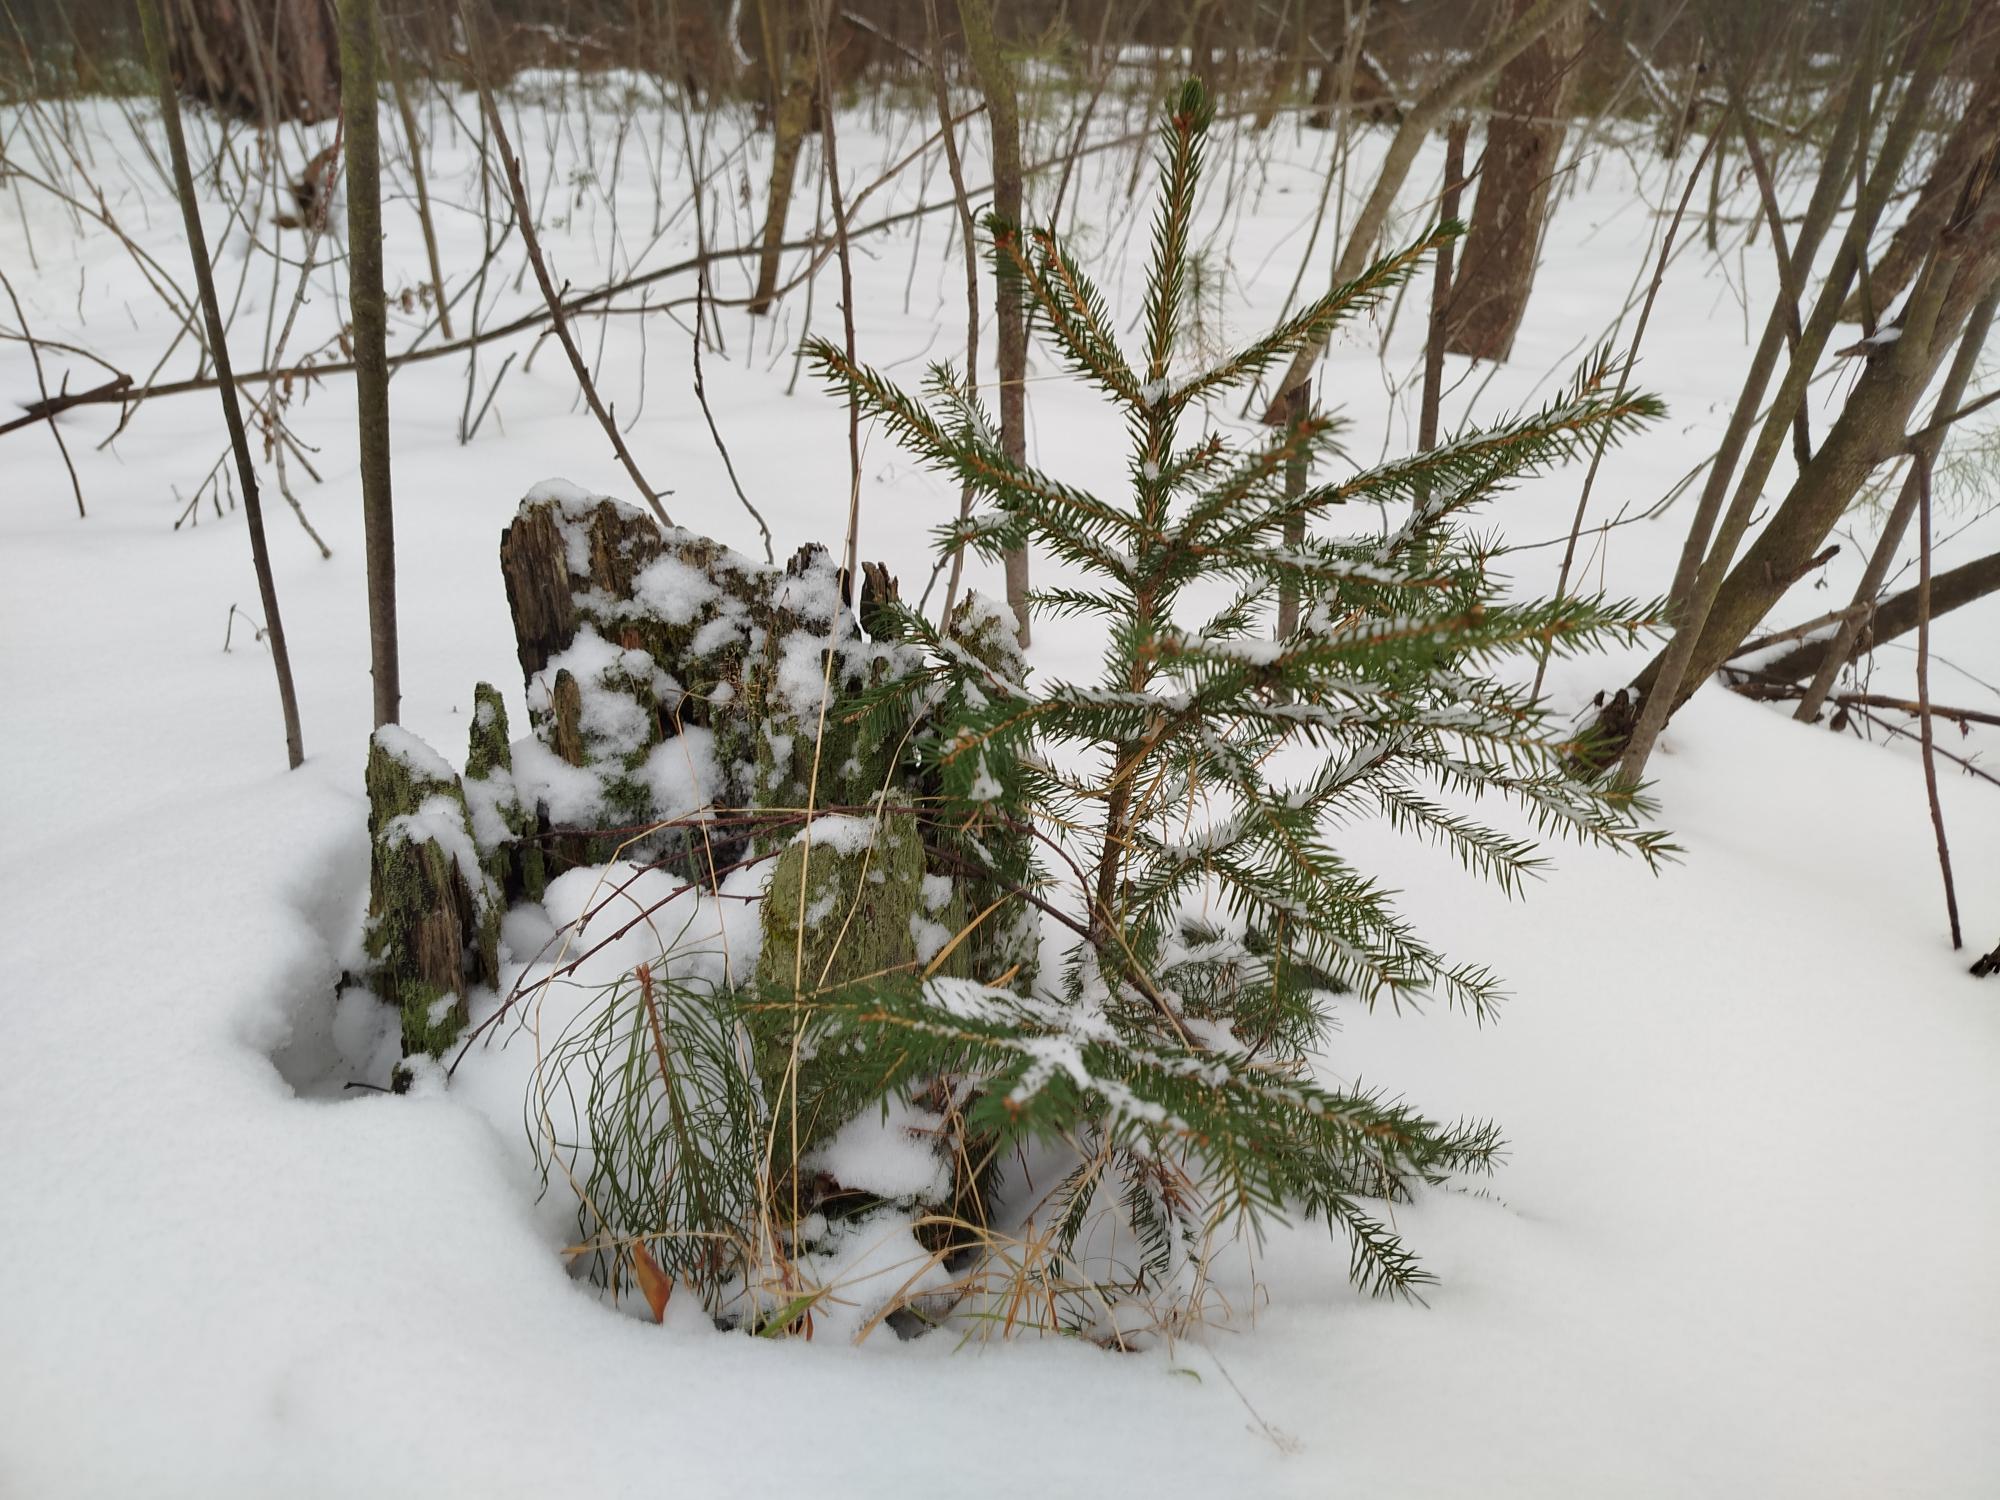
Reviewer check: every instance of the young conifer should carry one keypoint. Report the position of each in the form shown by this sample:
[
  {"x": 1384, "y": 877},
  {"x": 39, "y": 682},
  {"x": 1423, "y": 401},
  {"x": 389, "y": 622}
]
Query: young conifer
[{"x": 1187, "y": 799}]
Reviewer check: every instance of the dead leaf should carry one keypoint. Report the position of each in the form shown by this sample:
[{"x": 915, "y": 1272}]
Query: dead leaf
[{"x": 654, "y": 1282}]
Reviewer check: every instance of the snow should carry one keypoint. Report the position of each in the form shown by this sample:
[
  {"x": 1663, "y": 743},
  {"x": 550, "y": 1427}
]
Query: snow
[
  {"x": 408, "y": 750},
  {"x": 486, "y": 797},
  {"x": 439, "y": 820},
  {"x": 1742, "y": 1244},
  {"x": 895, "y": 1155},
  {"x": 683, "y": 773},
  {"x": 674, "y": 591},
  {"x": 842, "y": 833}
]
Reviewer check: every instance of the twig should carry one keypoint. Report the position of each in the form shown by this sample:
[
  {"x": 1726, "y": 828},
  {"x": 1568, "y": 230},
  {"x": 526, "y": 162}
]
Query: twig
[
  {"x": 968, "y": 237},
  {"x": 49, "y": 405},
  {"x": 524, "y": 216},
  {"x": 1924, "y": 692},
  {"x": 583, "y": 301},
  {"x": 1763, "y": 689},
  {"x": 1624, "y": 381},
  {"x": 156, "y": 48},
  {"x": 1799, "y": 632},
  {"x": 491, "y": 391},
  {"x": 1934, "y": 428},
  {"x": 830, "y": 143},
  {"x": 701, "y": 395}
]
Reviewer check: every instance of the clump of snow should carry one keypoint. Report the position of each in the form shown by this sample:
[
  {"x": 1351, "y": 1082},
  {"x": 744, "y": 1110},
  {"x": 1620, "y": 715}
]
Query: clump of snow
[
  {"x": 930, "y": 937},
  {"x": 614, "y": 722},
  {"x": 842, "y": 833},
  {"x": 683, "y": 774},
  {"x": 799, "y": 682},
  {"x": 864, "y": 1265},
  {"x": 674, "y": 590},
  {"x": 985, "y": 786},
  {"x": 487, "y": 799},
  {"x": 421, "y": 760},
  {"x": 892, "y": 1154},
  {"x": 572, "y": 795}
]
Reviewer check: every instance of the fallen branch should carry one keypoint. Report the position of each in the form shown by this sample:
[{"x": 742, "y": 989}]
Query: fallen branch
[
  {"x": 62, "y": 401},
  {"x": 823, "y": 246},
  {"x": 1783, "y": 692}
]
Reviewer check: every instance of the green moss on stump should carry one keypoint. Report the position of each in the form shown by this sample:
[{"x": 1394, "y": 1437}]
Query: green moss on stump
[
  {"x": 862, "y": 881},
  {"x": 433, "y": 916}
]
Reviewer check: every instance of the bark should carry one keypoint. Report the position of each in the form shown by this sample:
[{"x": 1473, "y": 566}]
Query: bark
[
  {"x": 1523, "y": 140},
  {"x": 433, "y": 924},
  {"x": 996, "y": 81},
  {"x": 359, "y": 47},
  {"x": 413, "y": 141},
  {"x": 218, "y": 349},
  {"x": 788, "y": 138},
  {"x": 791, "y": 83},
  {"x": 249, "y": 56}
]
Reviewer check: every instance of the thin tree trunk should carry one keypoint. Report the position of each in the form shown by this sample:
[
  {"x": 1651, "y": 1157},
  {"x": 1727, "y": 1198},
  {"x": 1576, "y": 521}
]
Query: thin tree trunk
[
  {"x": 1444, "y": 293},
  {"x": 791, "y": 88},
  {"x": 367, "y": 306},
  {"x": 1705, "y": 593},
  {"x": 1523, "y": 140},
  {"x": 996, "y": 81},
  {"x": 1298, "y": 406},
  {"x": 232, "y": 416},
  {"x": 1408, "y": 141},
  {"x": 968, "y": 233}
]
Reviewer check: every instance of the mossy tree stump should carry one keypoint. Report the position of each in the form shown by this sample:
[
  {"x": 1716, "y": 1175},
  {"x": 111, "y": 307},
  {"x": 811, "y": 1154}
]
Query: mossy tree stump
[{"x": 433, "y": 915}]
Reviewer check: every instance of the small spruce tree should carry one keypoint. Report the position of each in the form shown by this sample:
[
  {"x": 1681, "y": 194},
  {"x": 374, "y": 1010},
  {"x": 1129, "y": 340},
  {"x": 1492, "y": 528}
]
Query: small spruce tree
[{"x": 1210, "y": 908}]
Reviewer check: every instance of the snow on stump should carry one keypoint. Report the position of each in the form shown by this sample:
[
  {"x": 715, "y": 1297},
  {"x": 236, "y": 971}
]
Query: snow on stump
[
  {"x": 672, "y": 682},
  {"x": 808, "y": 752},
  {"x": 433, "y": 915},
  {"x": 504, "y": 830}
]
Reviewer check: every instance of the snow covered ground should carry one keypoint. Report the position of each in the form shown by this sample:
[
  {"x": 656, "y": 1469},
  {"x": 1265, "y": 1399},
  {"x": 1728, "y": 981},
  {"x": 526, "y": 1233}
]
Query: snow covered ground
[{"x": 1743, "y": 1245}]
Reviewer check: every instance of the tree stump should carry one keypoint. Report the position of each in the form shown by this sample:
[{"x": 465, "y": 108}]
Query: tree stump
[{"x": 433, "y": 915}]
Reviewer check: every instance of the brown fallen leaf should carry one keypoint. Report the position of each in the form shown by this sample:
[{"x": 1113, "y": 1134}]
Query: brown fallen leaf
[{"x": 654, "y": 1282}]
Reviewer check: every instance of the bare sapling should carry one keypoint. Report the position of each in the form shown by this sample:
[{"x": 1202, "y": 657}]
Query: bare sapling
[
  {"x": 368, "y": 306},
  {"x": 218, "y": 347}
]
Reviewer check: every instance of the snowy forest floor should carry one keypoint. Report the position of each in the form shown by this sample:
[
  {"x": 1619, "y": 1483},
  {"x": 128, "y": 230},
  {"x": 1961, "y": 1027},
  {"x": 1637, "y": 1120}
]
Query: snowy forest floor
[{"x": 1743, "y": 1243}]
